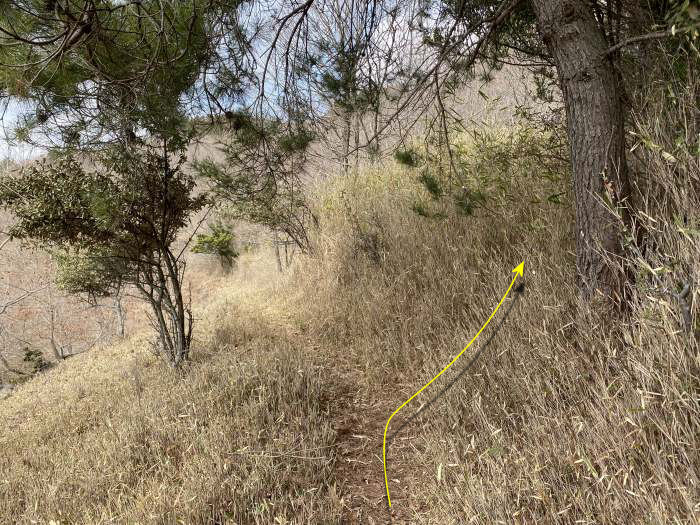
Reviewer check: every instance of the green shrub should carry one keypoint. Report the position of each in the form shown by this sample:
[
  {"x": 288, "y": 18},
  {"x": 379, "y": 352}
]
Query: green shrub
[
  {"x": 35, "y": 359},
  {"x": 467, "y": 201},
  {"x": 407, "y": 157},
  {"x": 431, "y": 183},
  {"x": 219, "y": 242}
]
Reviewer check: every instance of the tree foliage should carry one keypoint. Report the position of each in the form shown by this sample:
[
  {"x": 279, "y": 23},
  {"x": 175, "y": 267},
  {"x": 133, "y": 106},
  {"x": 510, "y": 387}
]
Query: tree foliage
[
  {"x": 96, "y": 71},
  {"x": 259, "y": 180},
  {"x": 115, "y": 224},
  {"x": 219, "y": 242},
  {"x": 109, "y": 83}
]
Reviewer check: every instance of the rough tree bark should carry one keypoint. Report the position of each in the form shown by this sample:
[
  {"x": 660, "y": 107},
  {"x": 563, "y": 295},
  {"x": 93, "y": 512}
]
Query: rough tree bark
[{"x": 595, "y": 119}]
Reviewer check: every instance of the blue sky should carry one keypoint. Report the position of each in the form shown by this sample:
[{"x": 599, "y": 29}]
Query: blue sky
[{"x": 14, "y": 151}]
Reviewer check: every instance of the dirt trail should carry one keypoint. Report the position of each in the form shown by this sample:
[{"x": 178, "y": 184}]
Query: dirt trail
[
  {"x": 359, "y": 415},
  {"x": 359, "y": 418}
]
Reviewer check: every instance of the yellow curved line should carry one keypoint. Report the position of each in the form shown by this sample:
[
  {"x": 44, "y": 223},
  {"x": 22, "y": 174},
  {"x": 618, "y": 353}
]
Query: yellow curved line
[{"x": 386, "y": 479}]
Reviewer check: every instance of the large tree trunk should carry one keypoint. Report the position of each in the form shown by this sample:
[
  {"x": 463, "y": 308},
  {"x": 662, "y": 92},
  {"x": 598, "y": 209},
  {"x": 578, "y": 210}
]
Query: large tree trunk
[{"x": 595, "y": 117}]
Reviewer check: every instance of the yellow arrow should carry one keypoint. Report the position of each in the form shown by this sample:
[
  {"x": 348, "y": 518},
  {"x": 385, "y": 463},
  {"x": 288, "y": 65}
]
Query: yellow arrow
[{"x": 518, "y": 270}]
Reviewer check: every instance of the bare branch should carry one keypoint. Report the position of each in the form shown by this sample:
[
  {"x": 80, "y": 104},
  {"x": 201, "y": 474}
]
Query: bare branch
[{"x": 643, "y": 38}]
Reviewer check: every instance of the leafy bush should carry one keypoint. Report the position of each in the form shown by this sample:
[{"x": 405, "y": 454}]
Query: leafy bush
[
  {"x": 431, "y": 183},
  {"x": 407, "y": 157},
  {"x": 492, "y": 164},
  {"x": 467, "y": 201},
  {"x": 114, "y": 225},
  {"x": 95, "y": 274},
  {"x": 35, "y": 359},
  {"x": 219, "y": 242}
]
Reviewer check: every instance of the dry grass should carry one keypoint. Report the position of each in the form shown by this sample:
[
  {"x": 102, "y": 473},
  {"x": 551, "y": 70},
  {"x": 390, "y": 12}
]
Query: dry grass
[
  {"x": 566, "y": 417},
  {"x": 243, "y": 437}
]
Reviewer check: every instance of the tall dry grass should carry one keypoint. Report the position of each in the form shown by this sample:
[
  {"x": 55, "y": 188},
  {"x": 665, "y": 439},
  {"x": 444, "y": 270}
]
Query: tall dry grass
[
  {"x": 114, "y": 437},
  {"x": 567, "y": 417}
]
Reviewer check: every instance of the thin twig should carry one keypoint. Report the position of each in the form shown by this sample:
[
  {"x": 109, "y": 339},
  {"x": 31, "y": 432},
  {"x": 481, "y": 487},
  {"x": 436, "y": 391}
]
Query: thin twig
[{"x": 642, "y": 38}]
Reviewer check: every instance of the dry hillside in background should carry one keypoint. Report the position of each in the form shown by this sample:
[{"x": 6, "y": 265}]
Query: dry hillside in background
[
  {"x": 308, "y": 210},
  {"x": 76, "y": 326},
  {"x": 478, "y": 103}
]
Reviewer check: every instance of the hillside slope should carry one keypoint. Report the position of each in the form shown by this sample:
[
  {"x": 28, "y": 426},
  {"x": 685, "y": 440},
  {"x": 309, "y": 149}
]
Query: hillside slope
[{"x": 279, "y": 419}]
